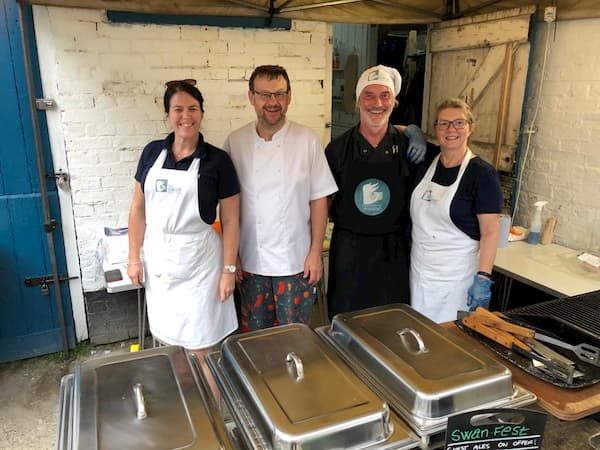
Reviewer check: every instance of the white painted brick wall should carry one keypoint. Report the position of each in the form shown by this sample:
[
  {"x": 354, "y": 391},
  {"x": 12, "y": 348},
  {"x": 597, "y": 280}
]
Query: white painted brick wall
[
  {"x": 110, "y": 81},
  {"x": 564, "y": 163}
]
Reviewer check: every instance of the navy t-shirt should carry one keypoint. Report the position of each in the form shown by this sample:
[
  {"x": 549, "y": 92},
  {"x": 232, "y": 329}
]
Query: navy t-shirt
[
  {"x": 479, "y": 190},
  {"x": 217, "y": 179}
]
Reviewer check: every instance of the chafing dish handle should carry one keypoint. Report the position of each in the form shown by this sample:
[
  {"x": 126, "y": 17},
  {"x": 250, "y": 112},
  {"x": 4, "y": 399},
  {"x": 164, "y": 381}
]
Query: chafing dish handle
[
  {"x": 416, "y": 336},
  {"x": 140, "y": 404},
  {"x": 292, "y": 357}
]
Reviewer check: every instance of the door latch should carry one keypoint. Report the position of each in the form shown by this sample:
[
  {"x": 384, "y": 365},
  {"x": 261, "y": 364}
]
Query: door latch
[
  {"x": 44, "y": 282},
  {"x": 63, "y": 180}
]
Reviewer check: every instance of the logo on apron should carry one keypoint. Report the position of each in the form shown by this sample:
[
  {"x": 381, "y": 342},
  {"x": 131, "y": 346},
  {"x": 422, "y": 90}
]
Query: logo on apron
[
  {"x": 161, "y": 185},
  {"x": 372, "y": 196}
]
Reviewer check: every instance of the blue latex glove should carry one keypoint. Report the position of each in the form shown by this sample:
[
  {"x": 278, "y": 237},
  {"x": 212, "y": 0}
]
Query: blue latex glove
[
  {"x": 417, "y": 144},
  {"x": 480, "y": 293}
]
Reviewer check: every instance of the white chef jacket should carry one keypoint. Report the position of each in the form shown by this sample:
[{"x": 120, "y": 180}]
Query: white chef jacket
[{"x": 278, "y": 179}]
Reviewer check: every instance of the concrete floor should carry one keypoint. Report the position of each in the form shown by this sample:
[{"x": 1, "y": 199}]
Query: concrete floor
[{"x": 29, "y": 397}]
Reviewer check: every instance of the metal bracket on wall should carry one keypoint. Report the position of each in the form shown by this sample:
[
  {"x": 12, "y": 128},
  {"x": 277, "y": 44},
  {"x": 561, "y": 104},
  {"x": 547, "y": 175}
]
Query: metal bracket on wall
[{"x": 42, "y": 104}]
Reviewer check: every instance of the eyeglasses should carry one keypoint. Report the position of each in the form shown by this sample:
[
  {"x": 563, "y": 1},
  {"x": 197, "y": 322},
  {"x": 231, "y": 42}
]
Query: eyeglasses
[
  {"x": 458, "y": 124},
  {"x": 174, "y": 83},
  {"x": 279, "y": 95}
]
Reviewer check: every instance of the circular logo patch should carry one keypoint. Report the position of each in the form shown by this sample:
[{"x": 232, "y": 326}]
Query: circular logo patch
[{"x": 372, "y": 196}]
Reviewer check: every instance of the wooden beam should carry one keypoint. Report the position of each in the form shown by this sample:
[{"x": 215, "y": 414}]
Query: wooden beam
[
  {"x": 504, "y": 96},
  {"x": 477, "y": 35},
  {"x": 487, "y": 72}
]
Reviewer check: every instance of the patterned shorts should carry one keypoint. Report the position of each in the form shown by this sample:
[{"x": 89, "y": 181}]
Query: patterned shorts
[{"x": 271, "y": 301}]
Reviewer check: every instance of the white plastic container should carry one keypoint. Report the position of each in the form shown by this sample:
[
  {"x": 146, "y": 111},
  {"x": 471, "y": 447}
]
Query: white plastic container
[{"x": 504, "y": 230}]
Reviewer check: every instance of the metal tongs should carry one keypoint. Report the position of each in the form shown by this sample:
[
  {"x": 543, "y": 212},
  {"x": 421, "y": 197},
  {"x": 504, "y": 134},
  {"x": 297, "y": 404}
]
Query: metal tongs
[{"x": 521, "y": 340}]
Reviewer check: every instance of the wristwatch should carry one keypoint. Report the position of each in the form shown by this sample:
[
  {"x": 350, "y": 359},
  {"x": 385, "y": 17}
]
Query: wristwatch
[{"x": 229, "y": 268}]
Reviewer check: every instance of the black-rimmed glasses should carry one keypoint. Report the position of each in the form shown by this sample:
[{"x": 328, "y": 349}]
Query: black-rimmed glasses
[
  {"x": 264, "y": 95},
  {"x": 174, "y": 83},
  {"x": 458, "y": 124}
]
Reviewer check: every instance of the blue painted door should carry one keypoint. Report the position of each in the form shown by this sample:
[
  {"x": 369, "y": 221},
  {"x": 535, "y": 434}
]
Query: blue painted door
[{"x": 29, "y": 322}]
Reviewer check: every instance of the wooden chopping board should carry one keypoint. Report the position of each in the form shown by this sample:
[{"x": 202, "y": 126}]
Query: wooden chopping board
[{"x": 565, "y": 404}]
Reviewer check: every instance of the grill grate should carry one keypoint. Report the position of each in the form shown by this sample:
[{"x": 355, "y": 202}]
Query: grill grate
[{"x": 581, "y": 312}]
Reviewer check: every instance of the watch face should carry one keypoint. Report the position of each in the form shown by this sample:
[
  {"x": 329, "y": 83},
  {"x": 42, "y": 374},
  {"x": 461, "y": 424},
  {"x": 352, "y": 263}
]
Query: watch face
[{"x": 229, "y": 268}]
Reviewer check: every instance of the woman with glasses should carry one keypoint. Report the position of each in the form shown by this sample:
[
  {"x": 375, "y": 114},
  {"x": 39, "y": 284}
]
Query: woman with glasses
[
  {"x": 455, "y": 209},
  {"x": 188, "y": 270}
]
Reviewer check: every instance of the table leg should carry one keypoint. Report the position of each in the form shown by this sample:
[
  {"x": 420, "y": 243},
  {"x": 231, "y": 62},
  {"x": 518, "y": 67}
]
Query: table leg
[
  {"x": 322, "y": 303},
  {"x": 141, "y": 318},
  {"x": 144, "y": 313},
  {"x": 505, "y": 292}
]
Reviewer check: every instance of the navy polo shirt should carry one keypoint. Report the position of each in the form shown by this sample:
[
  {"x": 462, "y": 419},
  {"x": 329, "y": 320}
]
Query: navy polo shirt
[
  {"x": 217, "y": 179},
  {"x": 479, "y": 190}
]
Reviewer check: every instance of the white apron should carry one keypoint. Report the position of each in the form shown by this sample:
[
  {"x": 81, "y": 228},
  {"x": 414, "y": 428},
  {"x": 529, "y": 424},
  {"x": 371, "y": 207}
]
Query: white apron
[
  {"x": 183, "y": 262},
  {"x": 443, "y": 258}
]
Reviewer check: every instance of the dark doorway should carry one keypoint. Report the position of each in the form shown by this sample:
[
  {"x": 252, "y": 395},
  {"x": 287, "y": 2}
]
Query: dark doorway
[{"x": 395, "y": 50}]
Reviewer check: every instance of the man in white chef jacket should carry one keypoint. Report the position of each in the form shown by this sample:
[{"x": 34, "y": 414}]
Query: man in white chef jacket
[{"x": 285, "y": 181}]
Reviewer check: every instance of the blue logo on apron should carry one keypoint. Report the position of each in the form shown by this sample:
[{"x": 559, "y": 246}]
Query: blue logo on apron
[{"x": 372, "y": 196}]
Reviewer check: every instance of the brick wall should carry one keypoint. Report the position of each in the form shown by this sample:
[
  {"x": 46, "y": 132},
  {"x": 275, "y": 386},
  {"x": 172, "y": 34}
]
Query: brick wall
[
  {"x": 109, "y": 81},
  {"x": 112, "y": 317},
  {"x": 563, "y": 166}
]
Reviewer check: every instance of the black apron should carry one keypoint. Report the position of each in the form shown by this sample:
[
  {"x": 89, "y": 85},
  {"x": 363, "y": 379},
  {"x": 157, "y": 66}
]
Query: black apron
[{"x": 368, "y": 256}]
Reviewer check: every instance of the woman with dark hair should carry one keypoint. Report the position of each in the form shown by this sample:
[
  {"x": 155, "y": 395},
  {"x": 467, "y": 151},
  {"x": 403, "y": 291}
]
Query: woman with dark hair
[
  {"x": 455, "y": 210},
  {"x": 188, "y": 270}
]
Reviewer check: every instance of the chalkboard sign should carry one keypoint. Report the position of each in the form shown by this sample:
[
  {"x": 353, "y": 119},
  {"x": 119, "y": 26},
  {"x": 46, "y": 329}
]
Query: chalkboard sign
[{"x": 496, "y": 429}]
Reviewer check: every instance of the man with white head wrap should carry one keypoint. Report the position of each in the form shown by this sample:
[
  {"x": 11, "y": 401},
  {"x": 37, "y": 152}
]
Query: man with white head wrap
[{"x": 372, "y": 164}]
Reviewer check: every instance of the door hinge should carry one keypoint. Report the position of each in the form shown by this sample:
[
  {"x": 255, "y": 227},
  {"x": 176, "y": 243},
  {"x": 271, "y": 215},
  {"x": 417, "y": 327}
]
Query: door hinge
[
  {"x": 50, "y": 226},
  {"x": 45, "y": 280},
  {"x": 42, "y": 104}
]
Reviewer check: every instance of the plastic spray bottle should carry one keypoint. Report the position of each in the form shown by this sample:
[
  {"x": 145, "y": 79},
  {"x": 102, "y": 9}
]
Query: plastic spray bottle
[{"x": 536, "y": 224}]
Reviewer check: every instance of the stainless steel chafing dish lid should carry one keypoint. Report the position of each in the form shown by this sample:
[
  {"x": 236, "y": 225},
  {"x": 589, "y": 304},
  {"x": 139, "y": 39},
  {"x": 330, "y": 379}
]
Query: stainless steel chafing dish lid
[
  {"x": 152, "y": 400},
  {"x": 423, "y": 369},
  {"x": 301, "y": 392}
]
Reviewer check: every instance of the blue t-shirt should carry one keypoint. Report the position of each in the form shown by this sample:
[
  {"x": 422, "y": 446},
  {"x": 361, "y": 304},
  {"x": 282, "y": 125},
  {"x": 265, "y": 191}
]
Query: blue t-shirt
[
  {"x": 479, "y": 191},
  {"x": 217, "y": 179}
]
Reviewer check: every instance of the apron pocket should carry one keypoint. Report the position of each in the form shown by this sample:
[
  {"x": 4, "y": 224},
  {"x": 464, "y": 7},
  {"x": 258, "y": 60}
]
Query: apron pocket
[
  {"x": 185, "y": 259},
  {"x": 179, "y": 258}
]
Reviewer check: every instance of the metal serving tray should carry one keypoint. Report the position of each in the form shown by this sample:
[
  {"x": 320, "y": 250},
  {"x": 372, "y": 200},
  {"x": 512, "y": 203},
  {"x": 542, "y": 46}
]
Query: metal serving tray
[
  {"x": 287, "y": 389},
  {"x": 423, "y": 371},
  {"x": 253, "y": 438},
  {"x": 153, "y": 399}
]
